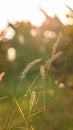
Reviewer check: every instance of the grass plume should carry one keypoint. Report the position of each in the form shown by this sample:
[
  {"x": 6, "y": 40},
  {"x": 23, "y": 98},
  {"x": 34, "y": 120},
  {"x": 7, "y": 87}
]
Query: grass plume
[
  {"x": 54, "y": 48},
  {"x": 28, "y": 67},
  {"x": 53, "y": 58}
]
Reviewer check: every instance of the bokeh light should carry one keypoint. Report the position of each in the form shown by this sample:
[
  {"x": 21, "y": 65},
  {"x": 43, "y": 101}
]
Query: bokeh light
[
  {"x": 33, "y": 32},
  {"x": 49, "y": 34},
  {"x": 9, "y": 33},
  {"x": 21, "y": 39},
  {"x": 11, "y": 54},
  {"x": 29, "y": 10}
]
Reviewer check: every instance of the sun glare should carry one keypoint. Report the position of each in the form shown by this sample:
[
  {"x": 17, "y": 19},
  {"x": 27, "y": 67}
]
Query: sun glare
[
  {"x": 18, "y": 10},
  {"x": 57, "y": 7}
]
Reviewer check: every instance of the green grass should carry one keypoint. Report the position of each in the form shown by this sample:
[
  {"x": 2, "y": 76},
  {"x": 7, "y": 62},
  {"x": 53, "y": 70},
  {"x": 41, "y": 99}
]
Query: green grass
[
  {"x": 58, "y": 105},
  {"x": 34, "y": 102}
]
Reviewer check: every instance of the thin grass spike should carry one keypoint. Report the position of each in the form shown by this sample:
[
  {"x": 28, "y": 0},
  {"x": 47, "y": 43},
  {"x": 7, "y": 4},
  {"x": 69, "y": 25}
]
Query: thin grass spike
[
  {"x": 56, "y": 44},
  {"x": 28, "y": 67}
]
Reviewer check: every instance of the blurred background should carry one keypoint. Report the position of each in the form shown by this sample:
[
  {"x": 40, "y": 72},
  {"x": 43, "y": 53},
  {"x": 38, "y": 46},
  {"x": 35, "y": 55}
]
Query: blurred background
[{"x": 28, "y": 30}]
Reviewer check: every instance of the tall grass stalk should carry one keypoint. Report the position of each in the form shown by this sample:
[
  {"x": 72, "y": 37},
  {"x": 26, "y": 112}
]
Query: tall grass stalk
[
  {"x": 44, "y": 96},
  {"x": 21, "y": 112},
  {"x": 31, "y": 91},
  {"x": 9, "y": 118}
]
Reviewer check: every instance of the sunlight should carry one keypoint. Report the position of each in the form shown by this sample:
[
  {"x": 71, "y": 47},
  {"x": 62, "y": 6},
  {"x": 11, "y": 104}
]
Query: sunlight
[
  {"x": 33, "y": 32},
  {"x": 14, "y": 10},
  {"x": 21, "y": 39},
  {"x": 49, "y": 34},
  {"x": 56, "y": 7},
  {"x": 11, "y": 54},
  {"x": 9, "y": 33}
]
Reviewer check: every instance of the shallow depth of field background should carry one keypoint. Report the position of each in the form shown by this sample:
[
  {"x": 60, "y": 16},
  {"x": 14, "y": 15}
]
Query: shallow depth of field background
[{"x": 20, "y": 44}]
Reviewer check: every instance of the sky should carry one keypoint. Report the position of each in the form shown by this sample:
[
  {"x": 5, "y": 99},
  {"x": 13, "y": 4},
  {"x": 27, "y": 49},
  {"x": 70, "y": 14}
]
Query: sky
[{"x": 28, "y": 10}]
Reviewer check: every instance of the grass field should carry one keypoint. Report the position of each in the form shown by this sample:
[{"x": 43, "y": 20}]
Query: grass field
[{"x": 58, "y": 114}]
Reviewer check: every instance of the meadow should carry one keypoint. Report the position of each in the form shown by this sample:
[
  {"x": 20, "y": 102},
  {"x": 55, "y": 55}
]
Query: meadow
[{"x": 36, "y": 88}]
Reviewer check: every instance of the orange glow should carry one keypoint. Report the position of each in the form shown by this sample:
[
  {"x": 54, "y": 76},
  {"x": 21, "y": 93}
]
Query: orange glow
[
  {"x": 18, "y": 10},
  {"x": 33, "y": 32}
]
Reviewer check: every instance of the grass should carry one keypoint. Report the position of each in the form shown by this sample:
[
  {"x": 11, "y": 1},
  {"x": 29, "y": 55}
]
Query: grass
[
  {"x": 58, "y": 115},
  {"x": 36, "y": 102}
]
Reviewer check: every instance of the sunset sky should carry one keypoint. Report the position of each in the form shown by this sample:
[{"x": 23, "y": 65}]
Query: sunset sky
[{"x": 18, "y": 10}]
